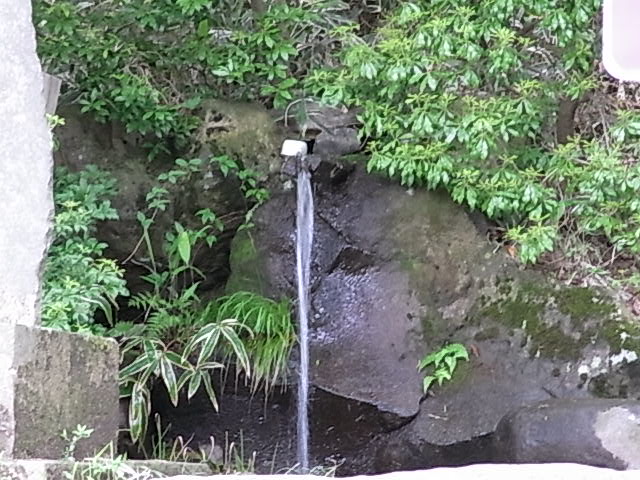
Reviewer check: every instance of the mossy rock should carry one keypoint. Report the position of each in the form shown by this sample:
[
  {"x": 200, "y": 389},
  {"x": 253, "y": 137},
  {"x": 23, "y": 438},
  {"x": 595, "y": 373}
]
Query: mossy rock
[
  {"x": 558, "y": 321},
  {"x": 244, "y": 131},
  {"x": 246, "y": 265}
]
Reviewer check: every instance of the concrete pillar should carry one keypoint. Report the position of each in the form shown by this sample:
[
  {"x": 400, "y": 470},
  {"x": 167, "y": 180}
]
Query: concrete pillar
[{"x": 49, "y": 380}]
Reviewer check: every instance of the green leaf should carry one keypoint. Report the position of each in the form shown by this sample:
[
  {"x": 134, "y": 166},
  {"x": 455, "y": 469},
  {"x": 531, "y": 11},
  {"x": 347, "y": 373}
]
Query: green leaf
[
  {"x": 425, "y": 362},
  {"x": 194, "y": 383},
  {"x": 178, "y": 360},
  {"x": 141, "y": 363},
  {"x": 427, "y": 382},
  {"x": 168, "y": 375},
  {"x": 442, "y": 375},
  {"x": 210, "y": 391},
  {"x": 460, "y": 351},
  {"x": 209, "y": 337},
  {"x": 184, "y": 246},
  {"x": 203, "y": 28},
  {"x": 450, "y": 362},
  {"x": 229, "y": 333},
  {"x": 139, "y": 411}
]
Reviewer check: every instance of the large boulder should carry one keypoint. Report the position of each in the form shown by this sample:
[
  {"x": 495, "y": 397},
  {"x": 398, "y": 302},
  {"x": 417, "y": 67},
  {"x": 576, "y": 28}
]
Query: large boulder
[
  {"x": 598, "y": 432},
  {"x": 398, "y": 273}
]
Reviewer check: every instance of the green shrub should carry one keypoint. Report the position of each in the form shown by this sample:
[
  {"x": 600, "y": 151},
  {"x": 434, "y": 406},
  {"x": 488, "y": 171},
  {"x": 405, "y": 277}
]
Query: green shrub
[
  {"x": 182, "y": 340},
  {"x": 78, "y": 279},
  {"x": 272, "y": 335},
  {"x": 148, "y": 64},
  {"x": 464, "y": 95}
]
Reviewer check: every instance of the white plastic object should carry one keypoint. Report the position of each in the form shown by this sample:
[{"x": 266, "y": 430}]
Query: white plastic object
[
  {"x": 621, "y": 39},
  {"x": 293, "y": 148}
]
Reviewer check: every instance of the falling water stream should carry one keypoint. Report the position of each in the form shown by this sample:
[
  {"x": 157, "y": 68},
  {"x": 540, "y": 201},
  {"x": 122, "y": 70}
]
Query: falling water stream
[{"x": 304, "y": 240}]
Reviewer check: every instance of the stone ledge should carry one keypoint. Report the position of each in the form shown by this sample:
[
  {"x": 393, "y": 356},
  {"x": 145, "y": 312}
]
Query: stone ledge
[
  {"x": 60, "y": 470},
  {"x": 52, "y": 381},
  {"x": 550, "y": 471}
]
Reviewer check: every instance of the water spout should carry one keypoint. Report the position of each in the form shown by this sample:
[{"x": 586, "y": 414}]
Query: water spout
[{"x": 304, "y": 241}]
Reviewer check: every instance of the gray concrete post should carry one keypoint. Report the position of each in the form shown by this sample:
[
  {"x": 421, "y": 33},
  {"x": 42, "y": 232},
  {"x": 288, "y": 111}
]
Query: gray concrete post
[{"x": 49, "y": 380}]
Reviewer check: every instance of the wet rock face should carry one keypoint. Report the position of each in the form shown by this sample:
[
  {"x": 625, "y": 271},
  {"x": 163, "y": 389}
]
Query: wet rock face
[
  {"x": 397, "y": 274},
  {"x": 352, "y": 287}
]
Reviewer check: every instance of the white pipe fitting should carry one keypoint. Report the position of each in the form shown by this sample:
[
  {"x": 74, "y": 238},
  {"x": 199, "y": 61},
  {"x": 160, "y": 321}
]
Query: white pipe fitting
[{"x": 293, "y": 148}]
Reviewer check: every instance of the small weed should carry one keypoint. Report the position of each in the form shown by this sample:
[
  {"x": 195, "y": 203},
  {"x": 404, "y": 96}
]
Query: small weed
[
  {"x": 81, "y": 432},
  {"x": 443, "y": 362}
]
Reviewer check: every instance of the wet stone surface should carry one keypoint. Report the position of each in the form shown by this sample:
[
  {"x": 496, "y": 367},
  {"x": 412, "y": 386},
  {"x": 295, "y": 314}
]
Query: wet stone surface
[
  {"x": 342, "y": 431},
  {"x": 397, "y": 274}
]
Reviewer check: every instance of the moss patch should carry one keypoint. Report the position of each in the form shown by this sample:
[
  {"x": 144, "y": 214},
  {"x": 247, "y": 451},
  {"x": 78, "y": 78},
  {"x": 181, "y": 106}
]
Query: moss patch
[
  {"x": 244, "y": 131},
  {"x": 246, "y": 265},
  {"x": 100, "y": 343},
  {"x": 541, "y": 310},
  {"x": 621, "y": 334},
  {"x": 581, "y": 303},
  {"x": 528, "y": 315}
]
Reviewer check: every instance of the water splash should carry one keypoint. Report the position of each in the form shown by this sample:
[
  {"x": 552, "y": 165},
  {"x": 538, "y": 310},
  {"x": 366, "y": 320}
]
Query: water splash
[{"x": 304, "y": 241}]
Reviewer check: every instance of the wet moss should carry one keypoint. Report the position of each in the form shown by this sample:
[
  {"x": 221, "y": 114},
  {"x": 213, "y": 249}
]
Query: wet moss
[
  {"x": 246, "y": 265},
  {"x": 517, "y": 313},
  {"x": 551, "y": 341},
  {"x": 529, "y": 307},
  {"x": 621, "y": 334},
  {"x": 582, "y": 302},
  {"x": 544, "y": 312}
]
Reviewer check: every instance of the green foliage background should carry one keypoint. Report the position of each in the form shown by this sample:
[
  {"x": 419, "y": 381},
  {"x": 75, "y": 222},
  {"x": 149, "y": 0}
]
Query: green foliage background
[
  {"x": 465, "y": 95},
  {"x": 460, "y": 94}
]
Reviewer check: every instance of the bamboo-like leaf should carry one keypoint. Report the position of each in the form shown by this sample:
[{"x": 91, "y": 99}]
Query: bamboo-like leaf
[
  {"x": 184, "y": 378},
  {"x": 211, "y": 366},
  {"x": 139, "y": 411},
  {"x": 178, "y": 360},
  {"x": 204, "y": 333},
  {"x": 138, "y": 365},
  {"x": 237, "y": 345},
  {"x": 184, "y": 246},
  {"x": 209, "y": 342},
  {"x": 169, "y": 376},
  {"x": 150, "y": 346},
  {"x": 194, "y": 383},
  {"x": 210, "y": 391},
  {"x": 104, "y": 305},
  {"x": 153, "y": 369},
  {"x": 190, "y": 292}
]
